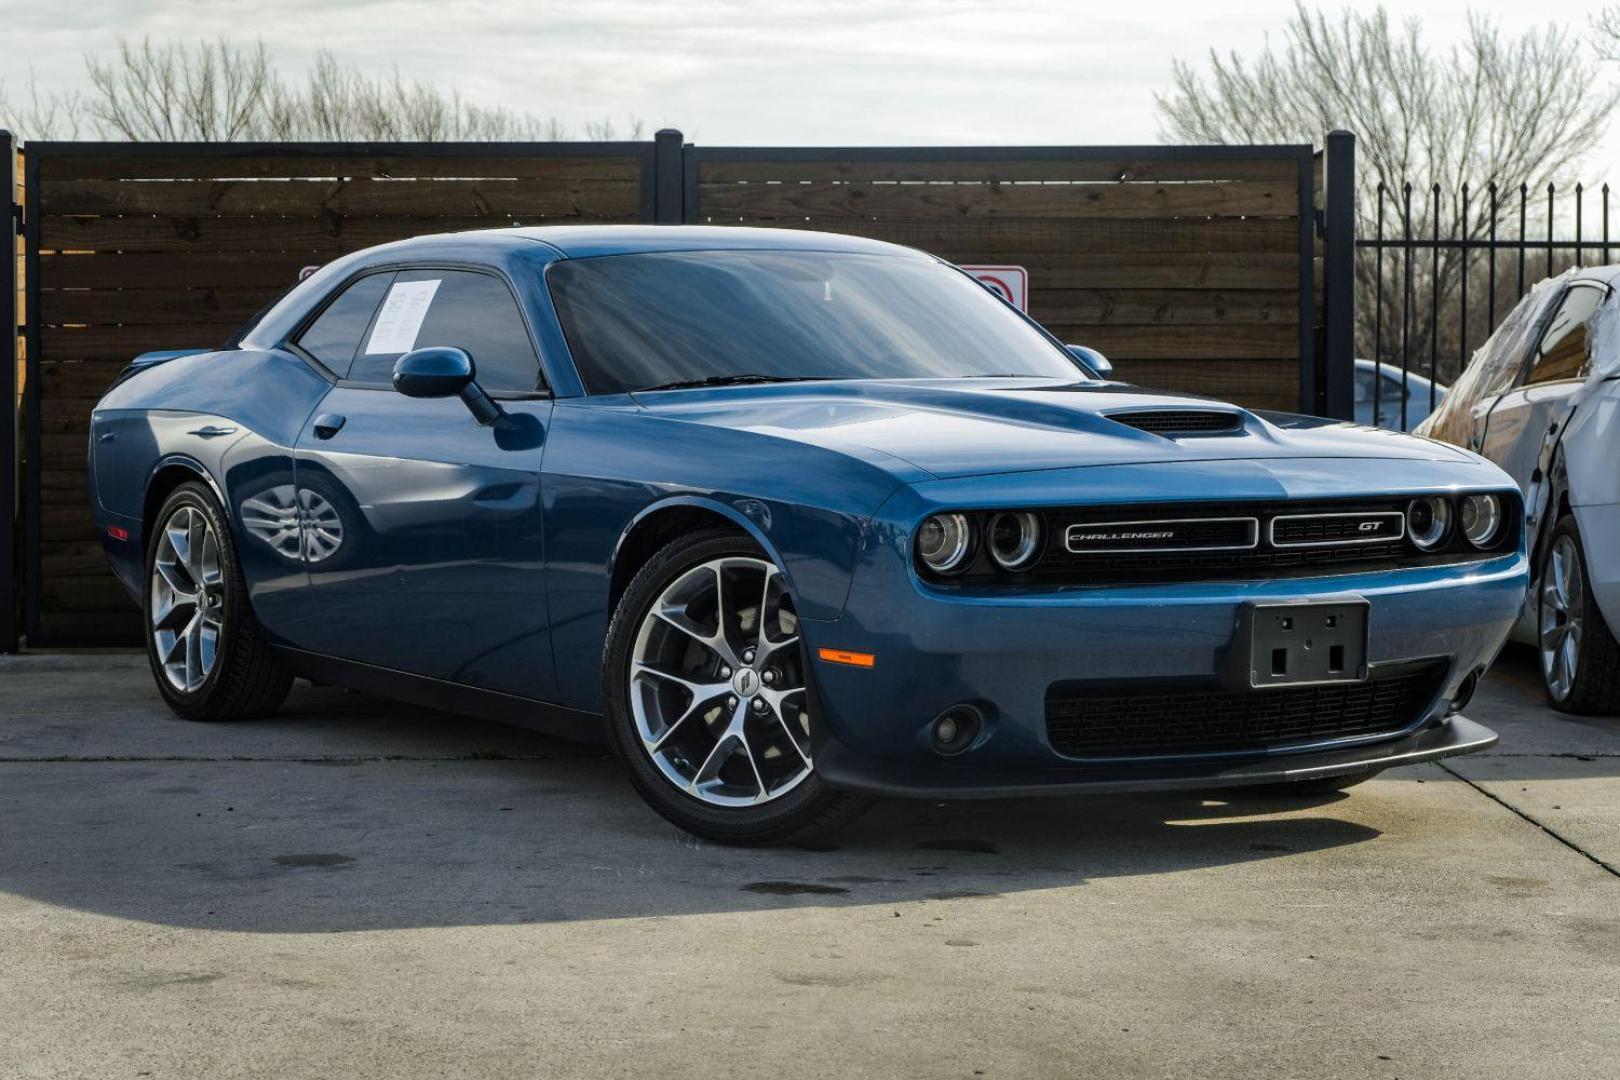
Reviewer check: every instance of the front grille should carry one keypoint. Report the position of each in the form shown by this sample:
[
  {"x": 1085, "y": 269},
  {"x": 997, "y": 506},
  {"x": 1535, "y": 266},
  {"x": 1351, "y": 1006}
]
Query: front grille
[
  {"x": 1168, "y": 534},
  {"x": 1085, "y": 721},
  {"x": 1178, "y": 421},
  {"x": 1296, "y": 539}
]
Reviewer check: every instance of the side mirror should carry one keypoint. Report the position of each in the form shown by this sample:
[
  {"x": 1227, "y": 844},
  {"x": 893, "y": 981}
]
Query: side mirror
[
  {"x": 1093, "y": 359},
  {"x": 439, "y": 372}
]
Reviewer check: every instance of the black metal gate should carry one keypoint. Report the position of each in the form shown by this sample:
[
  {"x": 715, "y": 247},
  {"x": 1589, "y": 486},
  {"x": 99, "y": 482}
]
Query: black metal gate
[{"x": 1440, "y": 287}]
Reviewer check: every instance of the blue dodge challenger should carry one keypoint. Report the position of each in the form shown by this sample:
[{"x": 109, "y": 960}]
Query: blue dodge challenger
[{"x": 791, "y": 520}]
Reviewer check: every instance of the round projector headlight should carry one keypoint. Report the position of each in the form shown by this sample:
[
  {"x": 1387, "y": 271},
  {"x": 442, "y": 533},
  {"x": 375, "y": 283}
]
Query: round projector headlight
[
  {"x": 1428, "y": 522},
  {"x": 1481, "y": 519},
  {"x": 1014, "y": 539},
  {"x": 944, "y": 542}
]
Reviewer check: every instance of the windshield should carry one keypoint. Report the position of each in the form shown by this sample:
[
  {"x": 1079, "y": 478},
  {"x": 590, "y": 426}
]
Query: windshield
[{"x": 651, "y": 320}]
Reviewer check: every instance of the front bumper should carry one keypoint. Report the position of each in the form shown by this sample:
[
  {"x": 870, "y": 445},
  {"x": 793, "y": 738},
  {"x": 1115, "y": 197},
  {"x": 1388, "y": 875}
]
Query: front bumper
[
  {"x": 914, "y": 779},
  {"x": 1000, "y": 650}
]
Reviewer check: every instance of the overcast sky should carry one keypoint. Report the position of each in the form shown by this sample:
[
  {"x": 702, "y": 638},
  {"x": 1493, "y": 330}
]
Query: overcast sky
[{"x": 737, "y": 72}]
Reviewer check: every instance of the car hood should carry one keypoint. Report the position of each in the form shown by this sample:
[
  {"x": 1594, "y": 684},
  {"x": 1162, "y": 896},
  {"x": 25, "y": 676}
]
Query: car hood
[{"x": 974, "y": 427}]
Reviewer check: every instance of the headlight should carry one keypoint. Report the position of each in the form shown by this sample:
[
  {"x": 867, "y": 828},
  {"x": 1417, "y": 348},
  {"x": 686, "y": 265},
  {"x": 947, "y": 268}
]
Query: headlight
[
  {"x": 1014, "y": 539},
  {"x": 1481, "y": 519},
  {"x": 944, "y": 542},
  {"x": 1428, "y": 522}
]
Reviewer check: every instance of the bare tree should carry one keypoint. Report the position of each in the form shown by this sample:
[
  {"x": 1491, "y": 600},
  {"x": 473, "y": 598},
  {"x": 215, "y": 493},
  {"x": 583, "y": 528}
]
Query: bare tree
[
  {"x": 1606, "y": 32},
  {"x": 219, "y": 92},
  {"x": 43, "y": 114},
  {"x": 210, "y": 92},
  {"x": 1503, "y": 109}
]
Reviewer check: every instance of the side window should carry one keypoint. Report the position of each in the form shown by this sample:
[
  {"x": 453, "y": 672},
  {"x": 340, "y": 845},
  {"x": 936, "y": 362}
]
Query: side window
[
  {"x": 1563, "y": 352},
  {"x": 460, "y": 308},
  {"x": 335, "y": 335}
]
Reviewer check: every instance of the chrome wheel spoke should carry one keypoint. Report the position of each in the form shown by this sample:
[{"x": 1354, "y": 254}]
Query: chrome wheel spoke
[
  {"x": 187, "y": 598},
  {"x": 713, "y": 664}
]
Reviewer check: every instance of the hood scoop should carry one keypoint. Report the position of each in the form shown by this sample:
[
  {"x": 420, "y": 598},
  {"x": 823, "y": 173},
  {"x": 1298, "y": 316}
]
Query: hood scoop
[{"x": 1179, "y": 421}]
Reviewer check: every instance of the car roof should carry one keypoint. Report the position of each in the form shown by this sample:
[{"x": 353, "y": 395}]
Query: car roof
[
  {"x": 1608, "y": 275},
  {"x": 586, "y": 241}
]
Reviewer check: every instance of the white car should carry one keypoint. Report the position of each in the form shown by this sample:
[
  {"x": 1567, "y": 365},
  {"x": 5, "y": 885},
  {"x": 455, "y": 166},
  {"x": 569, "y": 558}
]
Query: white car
[
  {"x": 1392, "y": 389},
  {"x": 1541, "y": 398}
]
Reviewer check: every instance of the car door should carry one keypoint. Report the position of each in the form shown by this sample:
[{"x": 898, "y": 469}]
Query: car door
[
  {"x": 1526, "y": 414},
  {"x": 420, "y": 528}
]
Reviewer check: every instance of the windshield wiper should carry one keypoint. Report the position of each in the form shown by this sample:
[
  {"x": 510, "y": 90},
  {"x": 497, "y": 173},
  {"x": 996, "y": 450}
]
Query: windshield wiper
[{"x": 729, "y": 380}]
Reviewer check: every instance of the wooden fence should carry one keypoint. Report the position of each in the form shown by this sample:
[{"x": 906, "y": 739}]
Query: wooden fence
[{"x": 1193, "y": 268}]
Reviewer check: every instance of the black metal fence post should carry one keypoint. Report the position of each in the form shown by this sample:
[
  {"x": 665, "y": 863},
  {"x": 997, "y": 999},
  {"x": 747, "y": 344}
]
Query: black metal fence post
[
  {"x": 1339, "y": 269},
  {"x": 669, "y": 169},
  {"x": 8, "y": 415}
]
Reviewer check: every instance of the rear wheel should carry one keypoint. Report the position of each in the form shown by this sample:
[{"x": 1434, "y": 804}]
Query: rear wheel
[
  {"x": 704, "y": 678},
  {"x": 1580, "y": 660},
  {"x": 208, "y": 654}
]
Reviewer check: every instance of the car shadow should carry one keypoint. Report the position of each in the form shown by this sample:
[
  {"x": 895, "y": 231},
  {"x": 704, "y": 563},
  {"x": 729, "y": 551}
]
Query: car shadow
[{"x": 346, "y": 844}]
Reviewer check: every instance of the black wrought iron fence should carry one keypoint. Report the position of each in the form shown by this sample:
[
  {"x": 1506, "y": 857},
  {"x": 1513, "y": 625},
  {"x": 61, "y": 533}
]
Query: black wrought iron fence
[{"x": 1442, "y": 269}]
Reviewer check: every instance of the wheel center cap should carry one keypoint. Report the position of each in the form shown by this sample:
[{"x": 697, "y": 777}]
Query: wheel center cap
[{"x": 745, "y": 682}]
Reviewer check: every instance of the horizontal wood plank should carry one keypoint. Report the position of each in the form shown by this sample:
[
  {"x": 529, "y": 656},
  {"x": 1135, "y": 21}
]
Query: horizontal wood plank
[
  {"x": 1021, "y": 239},
  {"x": 1255, "y": 384},
  {"x": 967, "y": 169},
  {"x": 100, "y": 628},
  {"x": 425, "y": 198},
  {"x": 1191, "y": 307},
  {"x": 836, "y": 202},
  {"x": 1174, "y": 342},
  {"x": 438, "y": 161},
  {"x": 153, "y": 307},
  {"x": 64, "y": 343},
  {"x": 322, "y": 238},
  {"x": 148, "y": 270}
]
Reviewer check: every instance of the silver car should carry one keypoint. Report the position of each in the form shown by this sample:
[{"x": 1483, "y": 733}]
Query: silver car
[
  {"x": 1394, "y": 400},
  {"x": 1541, "y": 398}
]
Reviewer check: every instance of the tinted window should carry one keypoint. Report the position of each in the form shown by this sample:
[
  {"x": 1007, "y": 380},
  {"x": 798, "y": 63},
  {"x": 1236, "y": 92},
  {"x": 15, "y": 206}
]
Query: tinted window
[
  {"x": 636, "y": 321},
  {"x": 333, "y": 337},
  {"x": 460, "y": 308},
  {"x": 1563, "y": 352}
]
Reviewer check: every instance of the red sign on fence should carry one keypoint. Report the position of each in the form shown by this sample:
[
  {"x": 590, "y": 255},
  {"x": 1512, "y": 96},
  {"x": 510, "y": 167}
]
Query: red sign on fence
[{"x": 1011, "y": 283}]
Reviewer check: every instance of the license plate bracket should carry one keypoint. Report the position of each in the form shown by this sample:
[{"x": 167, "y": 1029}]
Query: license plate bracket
[{"x": 1299, "y": 643}]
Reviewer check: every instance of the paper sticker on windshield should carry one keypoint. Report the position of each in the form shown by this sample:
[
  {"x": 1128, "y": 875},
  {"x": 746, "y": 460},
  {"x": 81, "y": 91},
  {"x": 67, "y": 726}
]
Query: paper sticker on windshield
[{"x": 401, "y": 317}]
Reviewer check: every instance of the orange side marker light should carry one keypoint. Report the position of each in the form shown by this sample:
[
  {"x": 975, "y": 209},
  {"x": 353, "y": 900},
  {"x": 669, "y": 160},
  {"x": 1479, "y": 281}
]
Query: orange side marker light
[{"x": 844, "y": 656}]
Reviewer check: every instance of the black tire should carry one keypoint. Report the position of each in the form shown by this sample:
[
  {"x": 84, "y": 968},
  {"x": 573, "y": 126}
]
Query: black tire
[
  {"x": 245, "y": 680},
  {"x": 1308, "y": 789},
  {"x": 1595, "y": 690},
  {"x": 810, "y": 810}
]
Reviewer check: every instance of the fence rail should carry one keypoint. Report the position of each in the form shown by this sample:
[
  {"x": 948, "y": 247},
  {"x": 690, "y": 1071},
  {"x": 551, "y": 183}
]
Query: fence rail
[
  {"x": 1195, "y": 268},
  {"x": 1426, "y": 287}
]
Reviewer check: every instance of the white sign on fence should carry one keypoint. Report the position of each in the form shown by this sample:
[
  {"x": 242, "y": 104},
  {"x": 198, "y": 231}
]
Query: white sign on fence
[{"x": 1011, "y": 283}]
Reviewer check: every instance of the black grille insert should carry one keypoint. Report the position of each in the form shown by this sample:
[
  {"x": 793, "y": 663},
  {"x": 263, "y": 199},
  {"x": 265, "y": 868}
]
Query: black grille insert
[
  {"x": 1178, "y": 421},
  {"x": 1087, "y": 721}
]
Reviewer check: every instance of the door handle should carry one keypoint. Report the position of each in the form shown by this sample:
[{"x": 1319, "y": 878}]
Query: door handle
[
  {"x": 212, "y": 431},
  {"x": 328, "y": 425}
]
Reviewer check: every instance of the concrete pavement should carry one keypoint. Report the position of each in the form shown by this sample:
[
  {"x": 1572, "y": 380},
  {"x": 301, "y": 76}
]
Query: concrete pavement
[{"x": 355, "y": 888}]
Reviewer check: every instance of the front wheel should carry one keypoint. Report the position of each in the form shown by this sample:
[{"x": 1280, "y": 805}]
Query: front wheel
[
  {"x": 1580, "y": 660},
  {"x": 704, "y": 678}
]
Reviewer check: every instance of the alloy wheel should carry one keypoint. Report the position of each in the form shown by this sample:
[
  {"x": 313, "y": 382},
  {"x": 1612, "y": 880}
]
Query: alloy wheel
[
  {"x": 1563, "y": 589},
  {"x": 187, "y": 598},
  {"x": 717, "y": 684}
]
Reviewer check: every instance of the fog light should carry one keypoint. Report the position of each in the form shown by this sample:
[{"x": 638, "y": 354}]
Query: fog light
[
  {"x": 956, "y": 728},
  {"x": 1428, "y": 522},
  {"x": 1465, "y": 692}
]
